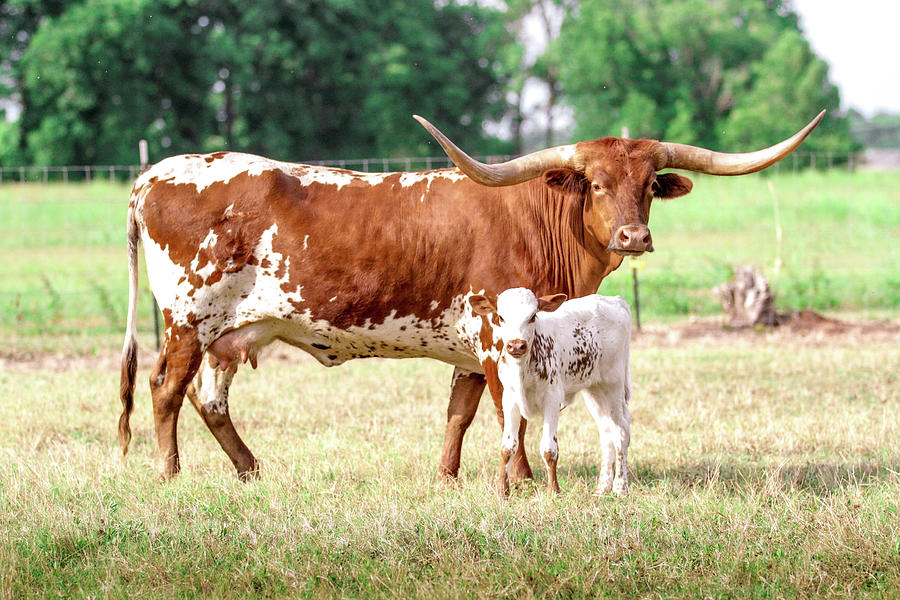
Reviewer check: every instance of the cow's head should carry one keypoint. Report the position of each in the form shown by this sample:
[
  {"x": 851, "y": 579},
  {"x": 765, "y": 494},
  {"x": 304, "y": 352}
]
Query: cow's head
[
  {"x": 618, "y": 178},
  {"x": 516, "y": 310}
]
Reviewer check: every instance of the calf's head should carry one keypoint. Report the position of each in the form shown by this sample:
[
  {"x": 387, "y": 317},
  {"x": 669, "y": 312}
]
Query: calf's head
[
  {"x": 617, "y": 178},
  {"x": 516, "y": 313}
]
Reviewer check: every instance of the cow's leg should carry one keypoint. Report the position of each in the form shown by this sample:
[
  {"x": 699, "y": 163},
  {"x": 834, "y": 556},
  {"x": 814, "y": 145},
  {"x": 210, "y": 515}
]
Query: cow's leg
[
  {"x": 177, "y": 364},
  {"x": 518, "y": 467},
  {"x": 508, "y": 446},
  {"x": 209, "y": 395},
  {"x": 465, "y": 393}
]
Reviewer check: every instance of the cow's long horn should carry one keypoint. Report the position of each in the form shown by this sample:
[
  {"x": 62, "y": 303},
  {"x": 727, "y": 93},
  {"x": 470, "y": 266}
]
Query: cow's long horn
[
  {"x": 507, "y": 173},
  {"x": 701, "y": 160}
]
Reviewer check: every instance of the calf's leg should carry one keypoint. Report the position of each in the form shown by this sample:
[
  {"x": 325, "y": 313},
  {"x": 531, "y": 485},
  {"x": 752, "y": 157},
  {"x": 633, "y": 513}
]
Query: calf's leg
[
  {"x": 519, "y": 469},
  {"x": 508, "y": 445},
  {"x": 607, "y": 405},
  {"x": 209, "y": 395},
  {"x": 549, "y": 444}
]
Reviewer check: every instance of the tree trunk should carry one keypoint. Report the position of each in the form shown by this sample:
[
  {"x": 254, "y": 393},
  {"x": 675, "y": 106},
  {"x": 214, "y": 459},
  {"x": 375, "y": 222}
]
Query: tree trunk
[{"x": 747, "y": 299}]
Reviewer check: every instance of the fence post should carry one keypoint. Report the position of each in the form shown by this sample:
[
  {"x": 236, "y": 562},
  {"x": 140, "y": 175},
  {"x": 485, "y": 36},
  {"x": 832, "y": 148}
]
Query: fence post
[
  {"x": 143, "y": 153},
  {"x": 635, "y": 265}
]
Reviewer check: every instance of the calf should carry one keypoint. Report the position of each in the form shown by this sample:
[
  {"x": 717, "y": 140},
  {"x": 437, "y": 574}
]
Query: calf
[{"x": 551, "y": 349}]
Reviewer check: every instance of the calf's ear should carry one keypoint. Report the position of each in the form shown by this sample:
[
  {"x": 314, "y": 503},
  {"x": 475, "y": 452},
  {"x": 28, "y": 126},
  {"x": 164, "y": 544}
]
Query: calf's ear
[
  {"x": 551, "y": 303},
  {"x": 481, "y": 305},
  {"x": 671, "y": 185}
]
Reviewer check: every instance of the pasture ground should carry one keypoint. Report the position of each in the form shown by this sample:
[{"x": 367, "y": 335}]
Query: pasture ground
[{"x": 765, "y": 464}]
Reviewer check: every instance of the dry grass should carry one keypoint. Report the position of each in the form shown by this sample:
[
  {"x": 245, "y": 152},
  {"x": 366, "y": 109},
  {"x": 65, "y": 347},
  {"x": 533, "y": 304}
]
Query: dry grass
[{"x": 763, "y": 466}]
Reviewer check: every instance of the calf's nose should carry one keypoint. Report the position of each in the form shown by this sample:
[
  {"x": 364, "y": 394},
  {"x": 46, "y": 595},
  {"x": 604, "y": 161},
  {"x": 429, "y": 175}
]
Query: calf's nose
[{"x": 517, "y": 348}]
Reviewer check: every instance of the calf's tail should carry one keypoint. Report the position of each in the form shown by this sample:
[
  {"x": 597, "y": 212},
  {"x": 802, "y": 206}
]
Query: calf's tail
[
  {"x": 129, "y": 350},
  {"x": 627, "y": 352}
]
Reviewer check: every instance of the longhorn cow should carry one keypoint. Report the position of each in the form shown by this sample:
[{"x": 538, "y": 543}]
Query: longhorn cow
[{"x": 242, "y": 251}]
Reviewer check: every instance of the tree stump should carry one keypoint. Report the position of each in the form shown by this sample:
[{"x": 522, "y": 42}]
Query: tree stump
[{"x": 747, "y": 299}]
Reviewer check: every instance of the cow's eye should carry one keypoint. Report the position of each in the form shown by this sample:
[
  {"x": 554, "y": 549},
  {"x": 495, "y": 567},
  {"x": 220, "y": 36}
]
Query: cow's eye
[{"x": 596, "y": 187}]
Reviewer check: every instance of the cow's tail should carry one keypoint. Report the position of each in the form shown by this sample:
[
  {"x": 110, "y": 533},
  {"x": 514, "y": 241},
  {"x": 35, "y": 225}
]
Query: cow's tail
[{"x": 129, "y": 350}]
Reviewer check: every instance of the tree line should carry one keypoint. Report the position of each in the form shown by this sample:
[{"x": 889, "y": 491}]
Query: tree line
[{"x": 322, "y": 79}]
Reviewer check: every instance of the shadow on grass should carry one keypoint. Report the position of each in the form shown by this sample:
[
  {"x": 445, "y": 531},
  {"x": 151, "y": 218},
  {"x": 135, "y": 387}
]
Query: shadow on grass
[{"x": 819, "y": 478}]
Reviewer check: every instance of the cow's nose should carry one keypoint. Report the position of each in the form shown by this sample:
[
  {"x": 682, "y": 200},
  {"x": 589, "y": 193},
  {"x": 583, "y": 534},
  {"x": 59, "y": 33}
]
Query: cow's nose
[
  {"x": 517, "y": 348},
  {"x": 633, "y": 238}
]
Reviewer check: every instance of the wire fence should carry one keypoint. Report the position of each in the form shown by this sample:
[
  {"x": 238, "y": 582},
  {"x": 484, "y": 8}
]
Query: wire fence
[
  {"x": 797, "y": 162},
  {"x": 127, "y": 173}
]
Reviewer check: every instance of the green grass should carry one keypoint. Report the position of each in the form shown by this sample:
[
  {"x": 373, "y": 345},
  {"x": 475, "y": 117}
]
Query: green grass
[
  {"x": 64, "y": 263},
  {"x": 838, "y": 246},
  {"x": 762, "y": 467}
]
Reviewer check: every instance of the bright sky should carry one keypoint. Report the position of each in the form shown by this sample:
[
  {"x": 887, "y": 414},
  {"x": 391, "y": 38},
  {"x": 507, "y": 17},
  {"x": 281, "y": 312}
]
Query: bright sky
[{"x": 860, "y": 40}]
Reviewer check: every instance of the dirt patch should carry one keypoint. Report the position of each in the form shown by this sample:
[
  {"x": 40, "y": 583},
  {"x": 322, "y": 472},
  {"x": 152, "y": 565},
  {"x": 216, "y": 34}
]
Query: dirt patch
[
  {"x": 34, "y": 361},
  {"x": 801, "y": 327}
]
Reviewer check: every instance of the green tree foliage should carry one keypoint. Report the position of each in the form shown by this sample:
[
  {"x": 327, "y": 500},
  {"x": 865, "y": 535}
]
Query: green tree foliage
[
  {"x": 308, "y": 79},
  {"x": 19, "y": 19},
  {"x": 789, "y": 84},
  {"x": 296, "y": 80},
  {"x": 341, "y": 78},
  {"x": 880, "y": 131},
  {"x": 106, "y": 73},
  {"x": 726, "y": 74}
]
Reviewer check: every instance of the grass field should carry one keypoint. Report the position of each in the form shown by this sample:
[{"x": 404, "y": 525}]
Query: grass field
[
  {"x": 64, "y": 264},
  {"x": 764, "y": 465}
]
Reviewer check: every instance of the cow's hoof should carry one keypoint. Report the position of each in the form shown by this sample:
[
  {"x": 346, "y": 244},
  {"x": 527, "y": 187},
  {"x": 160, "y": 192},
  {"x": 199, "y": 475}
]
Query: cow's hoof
[{"x": 251, "y": 474}]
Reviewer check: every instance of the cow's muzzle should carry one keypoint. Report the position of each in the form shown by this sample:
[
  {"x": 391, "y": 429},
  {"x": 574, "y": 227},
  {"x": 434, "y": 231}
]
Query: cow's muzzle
[
  {"x": 632, "y": 240},
  {"x": 517, "y": 348}
]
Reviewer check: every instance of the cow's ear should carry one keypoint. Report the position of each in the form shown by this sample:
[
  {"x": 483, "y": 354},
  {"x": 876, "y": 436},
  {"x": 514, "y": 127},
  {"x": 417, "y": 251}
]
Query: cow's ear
[
  {"x": 551, "y": 303},
  {"x": 671, "y": 185},
  {"x": 565, "y": 180},
  {"x": 481, "y": 305}
]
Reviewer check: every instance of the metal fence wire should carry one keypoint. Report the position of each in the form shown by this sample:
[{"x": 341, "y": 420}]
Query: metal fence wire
[{"x": 126, "y": 173}]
